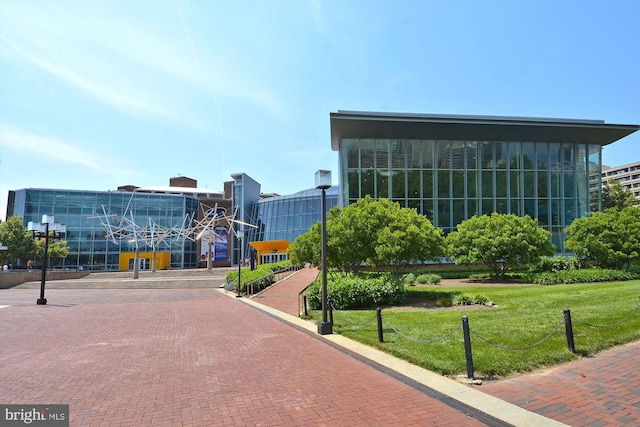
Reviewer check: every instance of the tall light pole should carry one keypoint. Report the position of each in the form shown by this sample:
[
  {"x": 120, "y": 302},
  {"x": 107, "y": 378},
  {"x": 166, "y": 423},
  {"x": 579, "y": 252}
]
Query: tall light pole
[
  {"x": 239, "y": 235},
  {"x": 41, "y": 230},
  {"x": 323, "y": 181}
]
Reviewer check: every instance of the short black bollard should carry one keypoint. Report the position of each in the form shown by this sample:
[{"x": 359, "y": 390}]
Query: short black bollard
[
  {"x": 467, "y": 346},
  {"x": 379, "y": 316},
  {"x": 569, "y": 329}
]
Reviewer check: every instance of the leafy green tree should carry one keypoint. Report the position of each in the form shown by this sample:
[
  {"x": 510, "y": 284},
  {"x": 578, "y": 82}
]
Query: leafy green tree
[
  {"x": 56, "y": 249},
  {"x": 615, "y": 196},
  {"x": 500, "y": 241},
  {"x": 407, "y": 238},
  {"x": 610, "y": 239},
  {"x": 377, "y": 233},
  {"x": 17, "y": 239},
  {"x": 305, "y": 249}
]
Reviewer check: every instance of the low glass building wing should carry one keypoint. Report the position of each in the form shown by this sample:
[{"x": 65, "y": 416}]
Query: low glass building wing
[
  {"x": 451, "y": 168},
  {"x": 88, "y": 244}
]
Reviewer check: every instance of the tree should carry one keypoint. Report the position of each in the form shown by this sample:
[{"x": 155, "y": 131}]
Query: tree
[
  {"x": 305, "y": 249},
  {"x": 500, "y": 241},
  {"x": 56, "y": 249},
  {"x": 615, "y": 196},
  {"x": 611, "y": 239},
  {"x": 406, "y": 239},
  {"x": 377, "y": 233},
  {"x": 17, "y": 239}
]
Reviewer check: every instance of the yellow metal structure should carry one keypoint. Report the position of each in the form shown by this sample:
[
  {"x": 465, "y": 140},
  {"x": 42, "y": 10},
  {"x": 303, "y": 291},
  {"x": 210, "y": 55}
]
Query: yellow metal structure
[
  {"x": 271, "y": 250},
  {"x": 127, "y": 259}
]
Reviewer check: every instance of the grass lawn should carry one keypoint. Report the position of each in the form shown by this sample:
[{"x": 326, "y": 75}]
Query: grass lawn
[{"x": 524, "y": 315}]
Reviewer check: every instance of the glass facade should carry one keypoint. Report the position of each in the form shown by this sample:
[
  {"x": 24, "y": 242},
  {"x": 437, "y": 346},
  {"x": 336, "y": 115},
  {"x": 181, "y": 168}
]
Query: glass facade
[
  {"x": 287, "y": 217},
  {"x": 451, "y": 180},
  {"x": 86, "y": 238}
]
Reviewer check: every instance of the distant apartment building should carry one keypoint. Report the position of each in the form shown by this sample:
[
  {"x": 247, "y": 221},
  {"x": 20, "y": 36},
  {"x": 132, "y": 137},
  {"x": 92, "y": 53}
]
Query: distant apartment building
[{"x": 628, "y": 176}]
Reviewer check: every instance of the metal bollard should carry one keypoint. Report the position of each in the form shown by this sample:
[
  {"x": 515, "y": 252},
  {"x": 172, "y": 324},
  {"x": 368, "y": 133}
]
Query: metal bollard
[
  {"x": 569, "y": 329},
  {"x": 467, "y": 346},
  {"x": 379, "y": 316}
]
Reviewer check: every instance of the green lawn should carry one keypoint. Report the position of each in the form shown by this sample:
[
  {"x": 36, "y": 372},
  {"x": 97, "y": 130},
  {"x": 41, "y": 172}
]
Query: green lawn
[{"x": 523, "y": 316}]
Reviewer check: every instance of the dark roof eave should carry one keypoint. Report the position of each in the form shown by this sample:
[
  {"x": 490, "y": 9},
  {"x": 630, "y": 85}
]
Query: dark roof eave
[{"x": 487, "y": 128}]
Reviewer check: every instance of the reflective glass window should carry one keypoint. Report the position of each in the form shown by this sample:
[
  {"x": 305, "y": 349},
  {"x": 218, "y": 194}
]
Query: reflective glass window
[
  {"x": 428, "y": 183},
  {"x": 528, "y": 156},
  {"x": 501, "y": 155},
  {"x": 444, "y": 154},
  {"x": 443, "y": 184},
  {"x": 458, "y": 179}
]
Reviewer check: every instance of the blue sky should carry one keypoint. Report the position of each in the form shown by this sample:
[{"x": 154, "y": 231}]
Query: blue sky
[{"x": 98, "y": 94}]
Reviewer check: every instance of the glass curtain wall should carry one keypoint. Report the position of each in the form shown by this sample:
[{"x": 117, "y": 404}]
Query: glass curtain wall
[
  {"x": 451, "y": 180},
  {"x": 86, "y": 238},
  {"x": 287, "y": 217}
]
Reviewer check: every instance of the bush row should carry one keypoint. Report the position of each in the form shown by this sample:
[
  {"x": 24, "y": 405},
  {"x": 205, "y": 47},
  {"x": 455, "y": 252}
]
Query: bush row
[
  {"x": 423, "y": 279},
  {"x": 263, "y": 273},
  {"x": 580, "y": 276},
  {"x": 358, "y": 291}
]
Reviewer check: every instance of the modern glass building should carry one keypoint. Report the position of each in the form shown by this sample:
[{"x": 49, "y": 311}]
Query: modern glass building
[
  {"x": 86, "y": 237},
  {"x": 279, "y": 219},
  {"x": 451, "y": 168},
  {"x": 287, "y": 217}
]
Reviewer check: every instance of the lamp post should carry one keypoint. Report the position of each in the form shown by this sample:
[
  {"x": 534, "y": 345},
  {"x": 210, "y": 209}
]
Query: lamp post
[
  {"x": 240, "y": 235},
  {"x": 323, "y": 181},
  {"x": 41, "y": 230}
]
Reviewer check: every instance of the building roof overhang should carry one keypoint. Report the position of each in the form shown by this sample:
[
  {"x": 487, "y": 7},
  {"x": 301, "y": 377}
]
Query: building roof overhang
[{"x": 357, "y": 124}]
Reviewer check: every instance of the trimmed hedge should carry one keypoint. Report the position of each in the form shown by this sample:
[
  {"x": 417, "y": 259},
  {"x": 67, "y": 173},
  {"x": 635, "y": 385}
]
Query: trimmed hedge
[
  {"x": 580, "y": 276},
  {"x": 264, "y": 271},
  {"x": 358, "y": 291}
]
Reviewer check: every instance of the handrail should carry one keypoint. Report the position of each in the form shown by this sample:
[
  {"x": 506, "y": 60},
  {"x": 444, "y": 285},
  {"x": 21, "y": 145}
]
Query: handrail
[{"x": 271, "y": 278}]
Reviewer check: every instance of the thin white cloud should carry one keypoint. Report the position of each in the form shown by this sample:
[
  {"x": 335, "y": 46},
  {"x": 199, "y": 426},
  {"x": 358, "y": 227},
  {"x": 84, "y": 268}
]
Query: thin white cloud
[
  {"x": 119, "y": 58},
  {"x": 56, "y": 151}
]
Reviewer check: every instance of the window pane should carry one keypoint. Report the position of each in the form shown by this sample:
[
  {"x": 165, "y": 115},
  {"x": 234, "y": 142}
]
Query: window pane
[
  {"x": 427, "y": 184},
  {"x": 443, "y": 184},
  {"x": 458, "y": 183},
  {"x": 398, "y": 184},
  {"x": 472, "y": 184}
]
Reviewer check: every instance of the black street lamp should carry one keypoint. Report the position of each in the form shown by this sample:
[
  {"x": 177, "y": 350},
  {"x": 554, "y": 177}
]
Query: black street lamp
[
  {"x": 323, "y": 181},
  {"x": 41, "y": 230},
  {"x": 239, "y": 235}
]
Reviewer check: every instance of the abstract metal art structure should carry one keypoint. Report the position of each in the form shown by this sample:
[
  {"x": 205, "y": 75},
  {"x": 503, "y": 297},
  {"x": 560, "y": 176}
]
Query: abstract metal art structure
[{"x": 153, "y": 235}]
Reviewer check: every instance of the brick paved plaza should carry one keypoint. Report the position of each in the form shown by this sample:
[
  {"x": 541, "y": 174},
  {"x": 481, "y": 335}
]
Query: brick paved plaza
[{"x": 171, "y": 351}]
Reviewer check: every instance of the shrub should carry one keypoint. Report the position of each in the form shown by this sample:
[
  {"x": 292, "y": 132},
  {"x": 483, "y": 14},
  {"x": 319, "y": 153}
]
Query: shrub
[
  {"x": 555, "y": 264},
  {"x": 581, "y": 276},
  {"x": 466, "y": 299},
  {"x": 263, "y": 272},
  {"x": 409, "y": 279},
  {"x": 480, "y": 276},
  {"x": 428, "y": 279},
  {"x": 358, "y": 291}
]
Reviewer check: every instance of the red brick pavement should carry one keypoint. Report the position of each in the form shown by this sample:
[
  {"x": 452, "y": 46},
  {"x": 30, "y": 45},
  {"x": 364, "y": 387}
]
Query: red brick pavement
[
  {"x": 155, "y": 357},
  {"x": 599, "y": 391},
  {"x": 283, "y": 295}
]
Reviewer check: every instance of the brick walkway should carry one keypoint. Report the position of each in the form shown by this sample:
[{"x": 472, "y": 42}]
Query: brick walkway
[
  {"x": 167, "y": 353},
  {"x": 165, "y": 357},
  {"x": 284, "y": 295},
  {"x": 600, "y": 391}
]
